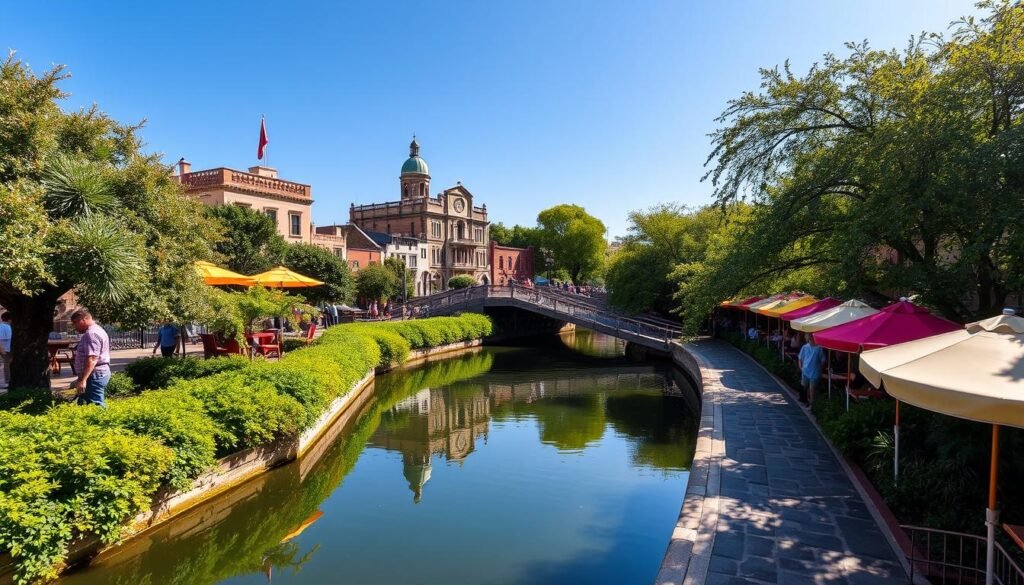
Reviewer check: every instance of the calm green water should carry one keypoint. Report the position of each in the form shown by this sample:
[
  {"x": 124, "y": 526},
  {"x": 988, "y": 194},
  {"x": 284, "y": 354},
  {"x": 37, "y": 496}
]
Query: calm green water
[{"x": 512, "y": 465}]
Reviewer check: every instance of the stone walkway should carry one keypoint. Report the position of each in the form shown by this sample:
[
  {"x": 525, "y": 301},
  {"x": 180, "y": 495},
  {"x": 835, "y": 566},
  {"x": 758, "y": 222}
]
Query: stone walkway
[{"x": 771, "y": 503}]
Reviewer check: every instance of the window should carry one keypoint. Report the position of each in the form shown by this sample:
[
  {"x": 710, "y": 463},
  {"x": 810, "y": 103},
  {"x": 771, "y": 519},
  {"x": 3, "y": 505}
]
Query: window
[
  {"x": 501, "y": 263},
  {"x": 478, "y": 234},
  {"x": 435, "y": 229},
  {"x": 272, "y": 214},
  {"x": 510, "y": 263},
  {"x": 423, "y": 253},
  {"x": 339, "y": 252},
  {"x": 246, "y": 205},
  {"x": 295, "y": 221},
  {"x": 410, "y": 261}
]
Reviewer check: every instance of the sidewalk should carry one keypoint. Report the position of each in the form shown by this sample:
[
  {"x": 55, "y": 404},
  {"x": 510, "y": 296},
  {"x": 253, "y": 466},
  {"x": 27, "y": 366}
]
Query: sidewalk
[{"x": 779, "y": 506}]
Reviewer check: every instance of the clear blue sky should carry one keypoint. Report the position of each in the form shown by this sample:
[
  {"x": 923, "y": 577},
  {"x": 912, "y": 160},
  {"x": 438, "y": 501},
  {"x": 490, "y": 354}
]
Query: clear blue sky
[{"x": 529, "y": 104}]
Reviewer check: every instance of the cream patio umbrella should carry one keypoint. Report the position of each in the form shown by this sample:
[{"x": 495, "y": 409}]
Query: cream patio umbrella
[
  {"x": 844, "y": 313},
  {"x": 976, "y": 373}
]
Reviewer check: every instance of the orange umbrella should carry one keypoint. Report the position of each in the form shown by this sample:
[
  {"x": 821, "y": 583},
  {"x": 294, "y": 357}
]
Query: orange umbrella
[
  {"x": 215, "y": 275},
  {"x": 281, "y": 277}
]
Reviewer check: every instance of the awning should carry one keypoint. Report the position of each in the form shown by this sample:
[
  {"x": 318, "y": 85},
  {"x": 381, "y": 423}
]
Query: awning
[
  {"x": 898, "y": 323},
  {"x": 838, "y": 315}
]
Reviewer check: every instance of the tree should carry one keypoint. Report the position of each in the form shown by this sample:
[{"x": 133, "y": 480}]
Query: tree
[
  {"x": 83, "y": 208},
  {"x": 321, "y": 264},
  {"x": 376, "y": 283},
  {"x": 461, "y": 281},
  {"x": 251, "y": 244},
  {"x": 660, "y": 238},
  {"x": 882, "y": 172},
  {"x": 575, "y": 239},
  {"x": 397, "y": 266}
]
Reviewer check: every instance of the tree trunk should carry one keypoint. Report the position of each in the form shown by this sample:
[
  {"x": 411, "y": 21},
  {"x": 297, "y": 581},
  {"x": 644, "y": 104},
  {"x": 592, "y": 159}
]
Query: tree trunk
[{"x": 31, "y": 324}]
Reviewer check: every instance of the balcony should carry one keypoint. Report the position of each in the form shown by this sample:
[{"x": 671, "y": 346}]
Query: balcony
[
  {"x": 231, "y": 179},
  {"x": 464, "y": 241}
]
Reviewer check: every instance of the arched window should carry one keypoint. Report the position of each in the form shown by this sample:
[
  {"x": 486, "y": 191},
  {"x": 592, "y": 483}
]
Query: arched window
[
  {"x": 501, "y": 263},
  {"x": 510, "y": 263}
]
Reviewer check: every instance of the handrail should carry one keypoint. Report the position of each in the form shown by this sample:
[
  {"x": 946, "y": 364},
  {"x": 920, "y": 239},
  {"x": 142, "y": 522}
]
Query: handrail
[
  {"x": 957, "y": 557},
  {"x": 539, "y": 297}
]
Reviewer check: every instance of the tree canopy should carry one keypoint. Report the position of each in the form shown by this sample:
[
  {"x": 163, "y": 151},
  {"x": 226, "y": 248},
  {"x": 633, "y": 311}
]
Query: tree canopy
[
  {"x": 321, "y": 264},
  {"x": 879, "y": 172},
  {"x": 376, "y": 283},
  {"x": 252, "y": 243},
  {"x": 83, "y": 208},
  {"x": 575, "y": 239}
]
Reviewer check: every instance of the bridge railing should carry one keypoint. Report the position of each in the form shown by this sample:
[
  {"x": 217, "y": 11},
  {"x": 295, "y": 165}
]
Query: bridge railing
[{"x": 557, "y": 303}]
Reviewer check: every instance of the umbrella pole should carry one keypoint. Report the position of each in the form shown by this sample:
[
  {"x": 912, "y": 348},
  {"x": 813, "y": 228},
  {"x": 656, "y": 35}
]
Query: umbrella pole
[
  {"x": 991, "y": 514},
  {"x": 828, "y": 370},
  {"x": 896, "y": 442}
]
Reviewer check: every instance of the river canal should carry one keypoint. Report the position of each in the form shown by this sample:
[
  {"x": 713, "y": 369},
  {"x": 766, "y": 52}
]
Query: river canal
[{"x": 562, "y": 462}]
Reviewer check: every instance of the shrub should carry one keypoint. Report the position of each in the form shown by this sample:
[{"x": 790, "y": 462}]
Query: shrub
[
  {"x": 292, "y": 344},
  {"x": 293, "y": 381},
  {"x": 60, "y": 475},
  {"x": 153, "y": 373},
  {"x": 27, "y": 400},
  {"x": 245, "y": 414},
  {"x": 120, "y": 385},
  {"x": 461, "y": 281}
]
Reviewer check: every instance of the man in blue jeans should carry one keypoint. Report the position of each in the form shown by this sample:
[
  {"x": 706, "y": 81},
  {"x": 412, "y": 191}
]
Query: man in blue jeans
[
  {"x": 92, "y": 359},
  {"x": 811, "y": 360}
]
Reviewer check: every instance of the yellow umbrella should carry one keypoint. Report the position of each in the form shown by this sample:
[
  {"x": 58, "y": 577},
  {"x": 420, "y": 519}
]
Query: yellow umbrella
[
  {"x": 281, "y": 277},
  {"x": 792, "y": 305},
  {"x": 215, "y": 275}
]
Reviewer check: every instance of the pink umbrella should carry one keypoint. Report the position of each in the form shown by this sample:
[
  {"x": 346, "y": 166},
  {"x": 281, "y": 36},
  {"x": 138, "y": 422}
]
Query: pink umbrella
[
  {"x": 898, "y": 323},
  {"x": 822, "y": 305}
]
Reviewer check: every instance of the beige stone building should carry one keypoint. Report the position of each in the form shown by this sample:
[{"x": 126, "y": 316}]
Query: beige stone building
[
  {"x": 455, "y": 230},
  {"x": 287, "y": 203}
]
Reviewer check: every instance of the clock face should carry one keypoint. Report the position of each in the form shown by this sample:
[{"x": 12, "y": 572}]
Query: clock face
[{"x": 459, "y": 205}]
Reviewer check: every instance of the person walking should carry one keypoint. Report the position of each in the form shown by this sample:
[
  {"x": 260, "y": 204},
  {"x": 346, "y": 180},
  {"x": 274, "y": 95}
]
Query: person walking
[
  {"x": 92, "y": 359},
  {"x": 5, "y": 349},
  {"x": 810, "y": 361},
  {"x": 334, "y": 314},
  {"x": 168, "y": 338}
]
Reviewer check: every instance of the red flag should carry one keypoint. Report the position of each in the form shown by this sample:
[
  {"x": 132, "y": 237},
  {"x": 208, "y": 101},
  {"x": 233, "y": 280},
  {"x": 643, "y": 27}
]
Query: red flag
[{"x": 263, "y": 139}]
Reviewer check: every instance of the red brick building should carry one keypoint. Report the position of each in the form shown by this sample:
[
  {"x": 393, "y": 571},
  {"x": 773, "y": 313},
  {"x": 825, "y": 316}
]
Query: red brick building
[{"x": 508, "y": 264}]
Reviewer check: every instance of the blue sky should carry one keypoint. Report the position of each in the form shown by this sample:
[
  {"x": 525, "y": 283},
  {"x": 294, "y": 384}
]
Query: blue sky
[{"x": 529, "y": 104}]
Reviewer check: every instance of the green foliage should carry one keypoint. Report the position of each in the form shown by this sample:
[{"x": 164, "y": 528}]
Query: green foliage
[
  {"x": 862, "y": 180},
  {"x": 82, "y": 207},
  {"x": 321, "y": 264},
  {"x": 159, "y": 372},
  {"x": 120, "y": 385},
  {"x": 252, "y": 243},
  {"x": 27, "y": 400},
  {"x": 376, "y": 283},
  {"x": 639, "y": 277},
  {"x": 575, "y": 239},
  {"x": 461, "y": 281},
  {"x": 397, "y": 266},
  {"x": 292, "y": 344},
  {"x": 61, "y": 475}
]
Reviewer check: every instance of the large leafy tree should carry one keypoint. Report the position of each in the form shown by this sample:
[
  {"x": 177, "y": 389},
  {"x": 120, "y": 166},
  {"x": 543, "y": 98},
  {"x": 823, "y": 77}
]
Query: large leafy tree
[
  {"x": 321, "y": 264},
  {"x": 83, "y": 208},
  {"x": 575, "y": 239},
  {"x": 376, "y": 283},
  {"x": 397, "y": 266},
  {"x": 888, "y": 172},
  {"x": 519, "y": 236},
  {"x": 638, "y": 276},
  {"x": 252, "y": 243}
]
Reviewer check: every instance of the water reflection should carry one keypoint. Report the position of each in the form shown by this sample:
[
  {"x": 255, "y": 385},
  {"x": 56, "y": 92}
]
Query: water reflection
[
  {"x": 539, "y": 451},
  {"x": 593, "y": 344}
]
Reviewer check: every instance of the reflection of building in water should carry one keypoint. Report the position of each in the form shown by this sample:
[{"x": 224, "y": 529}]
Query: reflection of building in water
[{"x": 432, "y": 422}]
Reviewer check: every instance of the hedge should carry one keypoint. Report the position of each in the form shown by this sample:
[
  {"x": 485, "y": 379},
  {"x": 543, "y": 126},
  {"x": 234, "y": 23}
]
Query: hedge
[{"x": 69, "y": 470}]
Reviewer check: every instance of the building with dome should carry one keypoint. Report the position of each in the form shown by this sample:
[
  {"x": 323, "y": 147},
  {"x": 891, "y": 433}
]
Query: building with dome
[{"x": 455, "y": 231}]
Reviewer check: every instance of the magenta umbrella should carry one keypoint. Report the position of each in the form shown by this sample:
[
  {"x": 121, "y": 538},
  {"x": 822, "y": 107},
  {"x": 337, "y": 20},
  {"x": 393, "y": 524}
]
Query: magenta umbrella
[
  {"x": 822, "y": 305},
  {"x": 898, "y": 323}
]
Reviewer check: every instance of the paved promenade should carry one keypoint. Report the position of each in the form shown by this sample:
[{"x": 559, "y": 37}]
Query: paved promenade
[{"x": 768, "y": 501}]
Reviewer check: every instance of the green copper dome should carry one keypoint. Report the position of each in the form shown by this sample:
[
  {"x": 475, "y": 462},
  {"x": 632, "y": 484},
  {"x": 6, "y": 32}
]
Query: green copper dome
[{"x": 415, "y": 164}]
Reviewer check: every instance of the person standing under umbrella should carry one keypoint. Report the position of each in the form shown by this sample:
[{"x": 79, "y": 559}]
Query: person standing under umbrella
[{"x": 810, "y": 360}]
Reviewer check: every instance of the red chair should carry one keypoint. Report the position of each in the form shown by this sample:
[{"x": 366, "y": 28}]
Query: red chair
[
  {"x": 265, "y": 348},
  {"x": 310, "y": 332},
  {"x": 210, "y": 347},
  {"x": 231, "y": 347}
]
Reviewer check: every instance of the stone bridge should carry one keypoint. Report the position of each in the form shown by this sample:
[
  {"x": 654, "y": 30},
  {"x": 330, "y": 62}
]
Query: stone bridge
[{"x": 580, "y": 311}]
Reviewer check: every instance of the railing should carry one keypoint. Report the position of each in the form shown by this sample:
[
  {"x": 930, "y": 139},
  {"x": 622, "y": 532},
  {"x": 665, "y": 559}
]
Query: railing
[
  {"x": 578, "y": 312},
  {"x": 230, "y": 177},
  {"x": 946, "y": 557}
]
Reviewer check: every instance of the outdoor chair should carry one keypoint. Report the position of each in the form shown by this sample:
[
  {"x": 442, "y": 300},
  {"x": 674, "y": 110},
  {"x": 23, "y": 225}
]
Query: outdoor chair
[
  {"x": 310, "y": 332},
  {"x": 210, "y": 347},
  {"x": 231, "y": 347},
  {"x": 266, "y": 349},
  {"x": 66, "y": 356}
]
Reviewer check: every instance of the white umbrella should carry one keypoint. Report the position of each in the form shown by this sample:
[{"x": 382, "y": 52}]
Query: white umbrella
[
  {"x": 844, "y": 313},
  {"x": 976, "y": 373}
]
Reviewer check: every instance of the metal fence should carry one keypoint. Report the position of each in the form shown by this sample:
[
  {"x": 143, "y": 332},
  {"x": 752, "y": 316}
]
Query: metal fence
[{"x": 946, "y": 558}]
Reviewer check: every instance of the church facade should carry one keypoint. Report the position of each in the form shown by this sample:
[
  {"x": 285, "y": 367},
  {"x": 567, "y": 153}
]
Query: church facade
[{"x": 455, "y": 232}]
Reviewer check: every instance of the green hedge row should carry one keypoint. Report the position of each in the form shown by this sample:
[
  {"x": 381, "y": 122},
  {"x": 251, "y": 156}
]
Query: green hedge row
[{"x": 71, "y": 470}]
